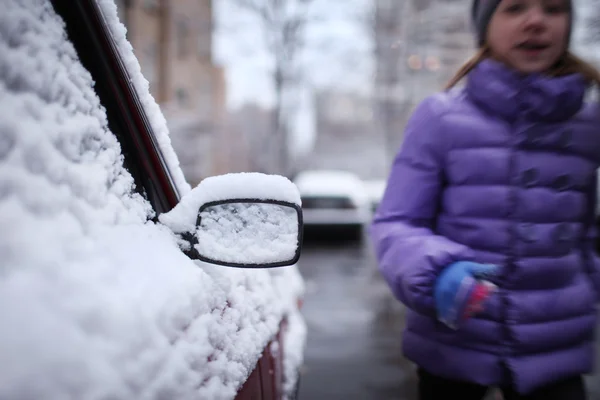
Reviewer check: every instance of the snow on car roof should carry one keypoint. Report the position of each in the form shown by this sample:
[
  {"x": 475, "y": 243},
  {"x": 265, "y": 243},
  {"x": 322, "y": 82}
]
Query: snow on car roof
[
  {"x": 96, "y": 301},
  {"x": 329, "y": 183}
]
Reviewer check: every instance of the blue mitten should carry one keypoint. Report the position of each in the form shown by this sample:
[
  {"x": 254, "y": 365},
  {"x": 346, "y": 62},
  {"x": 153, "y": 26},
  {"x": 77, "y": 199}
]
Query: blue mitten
[{"x": 460, "y": 290}]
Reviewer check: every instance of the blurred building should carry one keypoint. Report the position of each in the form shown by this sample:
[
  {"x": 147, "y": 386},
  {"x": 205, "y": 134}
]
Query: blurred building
[
  {"x": 251, "y": 125},
  {"x": 419, "y": 46},
  {"x": 390, "y": 32},
  {"x": 346, "y": 139},
  {"x": 173, "y": 42},
  {"x": 586, "y": 36},
  {"x": 439, "y": 41}
]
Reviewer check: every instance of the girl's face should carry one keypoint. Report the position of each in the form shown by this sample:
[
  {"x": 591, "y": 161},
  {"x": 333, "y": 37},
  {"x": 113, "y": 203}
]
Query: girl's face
[{"x": 529, "y": 35}]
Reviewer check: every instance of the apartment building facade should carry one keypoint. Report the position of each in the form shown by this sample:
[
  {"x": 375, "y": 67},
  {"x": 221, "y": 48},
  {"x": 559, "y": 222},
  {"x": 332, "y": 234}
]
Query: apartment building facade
[{"x": 173, "y": 41}]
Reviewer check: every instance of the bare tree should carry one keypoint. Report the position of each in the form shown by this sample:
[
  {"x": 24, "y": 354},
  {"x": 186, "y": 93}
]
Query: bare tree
[
  {"x": 593, "y": 23},
  {"x": 388, "y": 28},
  {"x": 283, "y": 24},
  {"x": 418, "y": 44}
]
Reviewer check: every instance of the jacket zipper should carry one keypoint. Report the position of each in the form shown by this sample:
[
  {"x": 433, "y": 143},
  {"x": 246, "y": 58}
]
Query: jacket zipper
[{"x": 512, "y": 248}]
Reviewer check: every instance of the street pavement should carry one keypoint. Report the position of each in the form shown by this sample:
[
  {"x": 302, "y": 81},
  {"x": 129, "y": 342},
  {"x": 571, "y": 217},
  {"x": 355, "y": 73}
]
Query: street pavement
[{"x": 354, "y": 329}]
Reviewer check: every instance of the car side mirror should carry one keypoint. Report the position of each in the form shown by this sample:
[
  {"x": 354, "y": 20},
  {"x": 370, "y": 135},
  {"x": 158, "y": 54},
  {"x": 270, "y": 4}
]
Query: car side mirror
[
  {"x": 240, "y": 220},
  {"x": 248, "y": 232}
]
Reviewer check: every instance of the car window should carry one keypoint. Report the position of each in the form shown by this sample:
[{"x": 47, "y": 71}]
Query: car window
[{"x": 89, "y": 34}]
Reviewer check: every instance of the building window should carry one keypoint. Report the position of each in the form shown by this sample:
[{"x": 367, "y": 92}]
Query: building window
[
  {"x": 150, "y": 5},
  {"x": 204, "y": 45},
  {"x": 386, "y": 5},
  {"x": 182, "y": 97},
  {"x": 204, "y": 36},
  {"x": 204, "y": 101},
  {"x": 183, "y": 36}
]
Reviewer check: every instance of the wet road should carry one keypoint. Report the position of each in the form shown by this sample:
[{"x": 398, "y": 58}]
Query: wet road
[{"x": 354, "y": 329}]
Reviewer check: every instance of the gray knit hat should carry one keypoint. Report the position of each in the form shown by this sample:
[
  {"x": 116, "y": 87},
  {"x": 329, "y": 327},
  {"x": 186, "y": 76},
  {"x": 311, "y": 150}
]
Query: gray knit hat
[{"x": 481, "y": 13}]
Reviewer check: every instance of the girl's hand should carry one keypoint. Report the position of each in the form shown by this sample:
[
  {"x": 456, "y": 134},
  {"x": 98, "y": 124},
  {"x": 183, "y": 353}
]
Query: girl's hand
[{"x": 461, "y": 290}]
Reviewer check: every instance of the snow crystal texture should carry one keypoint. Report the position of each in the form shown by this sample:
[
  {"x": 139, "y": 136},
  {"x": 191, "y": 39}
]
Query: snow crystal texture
[
  {"x": 246, "y": 185},
  {"x": 248, "y": 233},
  {"x": 97, "y": 302}
]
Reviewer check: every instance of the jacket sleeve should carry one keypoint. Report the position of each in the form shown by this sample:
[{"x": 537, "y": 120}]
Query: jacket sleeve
[
  {"x": 589, "y": 250},
  {"x": 409, "y": 253}
]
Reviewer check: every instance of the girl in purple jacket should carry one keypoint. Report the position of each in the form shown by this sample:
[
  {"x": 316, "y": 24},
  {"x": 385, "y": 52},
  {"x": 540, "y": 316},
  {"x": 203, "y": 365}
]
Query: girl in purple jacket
[{"x": 494, "y": 188}]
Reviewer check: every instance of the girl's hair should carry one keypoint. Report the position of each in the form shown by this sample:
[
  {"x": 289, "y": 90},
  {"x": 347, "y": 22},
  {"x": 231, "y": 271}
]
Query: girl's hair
[{"x": 568, "y": 64}]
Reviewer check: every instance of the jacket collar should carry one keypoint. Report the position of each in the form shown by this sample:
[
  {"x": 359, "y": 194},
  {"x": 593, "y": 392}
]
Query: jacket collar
[{"x": 506, "y": 92}]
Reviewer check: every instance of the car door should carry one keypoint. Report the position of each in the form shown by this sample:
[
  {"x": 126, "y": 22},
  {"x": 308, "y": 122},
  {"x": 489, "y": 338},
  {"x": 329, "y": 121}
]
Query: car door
[{"x": 129, "y": 121}]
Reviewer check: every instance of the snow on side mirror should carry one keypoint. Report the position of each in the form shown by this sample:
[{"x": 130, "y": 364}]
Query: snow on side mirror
[
  {"x": 247, "y": 220},
  {"x": 249, "y": 232}
]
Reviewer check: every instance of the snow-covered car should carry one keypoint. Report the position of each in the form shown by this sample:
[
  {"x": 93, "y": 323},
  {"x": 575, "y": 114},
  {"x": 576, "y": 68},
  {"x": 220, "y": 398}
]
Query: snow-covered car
[
  {"x": 333, "y": 200},
  {"x": 117, "y": 279}
]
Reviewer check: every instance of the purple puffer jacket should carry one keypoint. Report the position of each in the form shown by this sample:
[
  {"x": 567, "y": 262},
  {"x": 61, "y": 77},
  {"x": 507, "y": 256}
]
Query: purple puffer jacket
[{"x": 502, "y": 171}]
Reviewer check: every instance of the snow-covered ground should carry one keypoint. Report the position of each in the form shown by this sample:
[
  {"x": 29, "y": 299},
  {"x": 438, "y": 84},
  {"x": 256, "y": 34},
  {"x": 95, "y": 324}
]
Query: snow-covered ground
[{"x": 96, "y": 301}]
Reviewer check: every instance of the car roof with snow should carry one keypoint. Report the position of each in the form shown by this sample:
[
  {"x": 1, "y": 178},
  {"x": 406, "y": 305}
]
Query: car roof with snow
[
  {"x": 97, "y": 298},
  {"x": 330, "y": 183}
]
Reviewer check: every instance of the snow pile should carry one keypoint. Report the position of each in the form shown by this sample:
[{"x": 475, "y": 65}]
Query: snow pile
[
  {"x": 95, "y": 301},
  {"x": 290, "y": 286},
  {"x": 295, "y": 342},
  {"x": 246, "y": 185},
  {"x": 256, "y": 233},
  {"x": 60, "y": 168},
  {"x": 142, "y": 87},
  {"x": 248, "y": 233}
]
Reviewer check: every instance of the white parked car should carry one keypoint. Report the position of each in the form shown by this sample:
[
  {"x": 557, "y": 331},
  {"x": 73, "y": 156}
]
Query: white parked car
[
  {"x": 333, "y": 200},
  {"x": 117, "y": 279}
]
